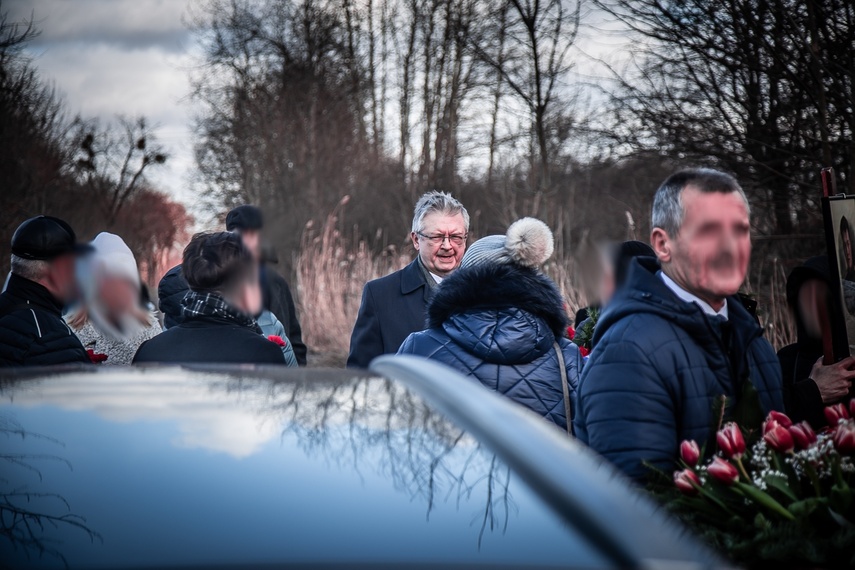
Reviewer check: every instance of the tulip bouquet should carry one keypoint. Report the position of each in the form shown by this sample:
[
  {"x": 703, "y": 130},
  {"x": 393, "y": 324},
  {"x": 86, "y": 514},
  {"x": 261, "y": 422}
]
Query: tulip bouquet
[{"x": 786, "y": 497}]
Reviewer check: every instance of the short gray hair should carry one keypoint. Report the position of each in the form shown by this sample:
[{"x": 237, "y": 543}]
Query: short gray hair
[
  {"x": 668, "y": 211},
  {"x": 438, "y": 202},
  {"x": 32, "y": 269}
]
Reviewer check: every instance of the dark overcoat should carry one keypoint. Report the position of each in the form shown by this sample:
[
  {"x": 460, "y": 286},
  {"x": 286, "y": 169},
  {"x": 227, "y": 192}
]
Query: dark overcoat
[{"x": 392, "y": 307}]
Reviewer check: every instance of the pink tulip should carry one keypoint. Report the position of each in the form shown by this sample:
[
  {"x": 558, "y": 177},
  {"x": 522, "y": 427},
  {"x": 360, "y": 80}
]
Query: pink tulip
[
  {"x": 782, "y": 419},
  {"x": 844, "y": 438},
  {"x": 687, "y": 481},
  {"x": 836, "y": 413},
  {"x": 723, "y": 471},
  {"x": 730, "y": 440},
  {"x": 690, "y": 452},
  {"x": 778, "y": 437},
  {"x": 803, "y": 435}
]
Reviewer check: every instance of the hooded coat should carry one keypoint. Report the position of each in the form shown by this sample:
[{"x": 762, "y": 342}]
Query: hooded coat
[
  {"x": 801, "y": 394},
  {"x": 498, "y": 323},
  {"x": 658, "y": 365}
]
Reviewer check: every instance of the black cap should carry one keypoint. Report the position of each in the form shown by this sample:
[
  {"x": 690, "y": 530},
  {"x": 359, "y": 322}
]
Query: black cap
[
  {"x": 46, "y": 237},
  {"x": 244, "y": 218}
]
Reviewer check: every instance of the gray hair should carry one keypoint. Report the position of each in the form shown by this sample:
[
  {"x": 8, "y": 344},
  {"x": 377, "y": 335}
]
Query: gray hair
[
  {"x": 32, "y": 269},
  {"x": 668, "y": 211},
  {"x": 438, "y": 202}
]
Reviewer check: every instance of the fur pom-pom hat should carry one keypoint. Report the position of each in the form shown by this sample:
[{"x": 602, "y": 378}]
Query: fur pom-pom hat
[{"x": 528, "y": 243}]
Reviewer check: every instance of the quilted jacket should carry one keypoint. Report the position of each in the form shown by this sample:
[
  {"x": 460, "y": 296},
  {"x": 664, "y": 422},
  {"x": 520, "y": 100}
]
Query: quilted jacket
[
  {"x": 657, "y": 366},
  {"x": 32, "y": 332},
  {"x": 498, "y": 324}
]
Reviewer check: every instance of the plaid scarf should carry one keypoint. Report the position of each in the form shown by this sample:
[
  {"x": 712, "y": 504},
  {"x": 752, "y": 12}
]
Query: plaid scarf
[{"x": 212, "y": 305}]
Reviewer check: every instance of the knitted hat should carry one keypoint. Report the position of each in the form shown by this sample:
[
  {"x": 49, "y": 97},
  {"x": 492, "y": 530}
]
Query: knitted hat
[
  {"x": 113, "y": 257},
  {"x": 528, "y": 243}
]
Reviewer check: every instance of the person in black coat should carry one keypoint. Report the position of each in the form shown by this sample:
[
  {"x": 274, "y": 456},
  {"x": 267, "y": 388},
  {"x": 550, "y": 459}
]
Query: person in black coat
[
  {"x": 217, "y": 325},
  {"x": 394, "y": 306},
  {"x": 247, "y": 221},
  {"x": 808, "y": 385},
  {"x": 32, "y": 330}
]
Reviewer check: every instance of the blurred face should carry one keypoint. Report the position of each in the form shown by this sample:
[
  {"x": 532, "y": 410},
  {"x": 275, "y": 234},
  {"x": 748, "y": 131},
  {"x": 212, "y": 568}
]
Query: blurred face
[
  {"x": 812, "y": 293},
  {"x": 252, "y": 241},
  {"x": 607, "y": 283},
  {"x": 441, "y": 242},
  {"x": 709, "y": 256},
  {"x": 117, "y": 299},
  {"x": 248, "y": 296},
  {"x": 61, "y": 278}
]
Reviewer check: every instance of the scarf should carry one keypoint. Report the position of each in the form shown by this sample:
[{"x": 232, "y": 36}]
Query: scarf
[
  {"x": 196, "y": 304},
  {"x": 429, "y": 280}
]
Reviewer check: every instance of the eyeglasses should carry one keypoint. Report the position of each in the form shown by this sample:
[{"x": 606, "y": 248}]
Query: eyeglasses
[{"x": 453, "y": 239}]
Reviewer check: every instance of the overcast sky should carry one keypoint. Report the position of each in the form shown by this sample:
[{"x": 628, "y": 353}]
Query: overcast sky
[{"x": 128, "y": 57}]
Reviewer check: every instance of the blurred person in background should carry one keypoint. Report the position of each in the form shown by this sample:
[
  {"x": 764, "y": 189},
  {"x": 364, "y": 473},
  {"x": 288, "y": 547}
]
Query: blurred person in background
[
  {"x": 41, "y": 284},
  {"x": 111, "y": 319},
  {"x": 279, "y": 313},
  {"x": 394, "y": 306},
  {"x": 500, "y": 320},
  {"x": 614, "y": 261},
  {"x": 677, "y": 337},
  {"x": 809, "y": 386},
  {"x": 217, "y": 313}
]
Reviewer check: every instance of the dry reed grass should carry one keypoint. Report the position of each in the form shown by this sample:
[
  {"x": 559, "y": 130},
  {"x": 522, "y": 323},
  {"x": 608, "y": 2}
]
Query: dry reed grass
[{"x": 330, "y": 276}]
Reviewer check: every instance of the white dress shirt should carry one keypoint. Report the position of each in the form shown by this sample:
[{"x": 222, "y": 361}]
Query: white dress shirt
[{"x": 692, "y": 298}]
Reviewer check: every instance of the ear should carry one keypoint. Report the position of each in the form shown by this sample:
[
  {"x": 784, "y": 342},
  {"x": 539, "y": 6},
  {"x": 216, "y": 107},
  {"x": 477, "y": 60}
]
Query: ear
[
  {"x": 661, "y": 243},
  {"x": 415, "y": 237}
]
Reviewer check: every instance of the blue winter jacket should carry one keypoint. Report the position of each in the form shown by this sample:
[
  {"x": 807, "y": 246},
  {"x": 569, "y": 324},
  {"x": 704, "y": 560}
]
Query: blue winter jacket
[
  {"x": 656, "y": 368},
  {"x": 498, "y": 323}
]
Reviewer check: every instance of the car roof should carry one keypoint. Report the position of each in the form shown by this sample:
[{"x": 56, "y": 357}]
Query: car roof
[{"x": 241, "y": 466}]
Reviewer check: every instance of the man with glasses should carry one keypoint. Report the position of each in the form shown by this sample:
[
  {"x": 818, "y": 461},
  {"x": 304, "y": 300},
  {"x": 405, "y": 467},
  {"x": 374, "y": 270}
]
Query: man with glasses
[{"x": 394, "y": 306}]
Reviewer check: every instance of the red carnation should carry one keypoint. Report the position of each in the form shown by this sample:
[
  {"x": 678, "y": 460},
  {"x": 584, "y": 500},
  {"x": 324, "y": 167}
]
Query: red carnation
[
  {"x": 571, "y": 333},
  {"x": 584, "y": 351},
  {"x": 278, "y": 340},
  {"x": 96, "y": 357}
]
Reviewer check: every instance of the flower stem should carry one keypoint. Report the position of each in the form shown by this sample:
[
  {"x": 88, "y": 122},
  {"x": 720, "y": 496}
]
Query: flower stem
[
  {"x": 743, "y": 471},
  {"x": 764, "y": 499}
]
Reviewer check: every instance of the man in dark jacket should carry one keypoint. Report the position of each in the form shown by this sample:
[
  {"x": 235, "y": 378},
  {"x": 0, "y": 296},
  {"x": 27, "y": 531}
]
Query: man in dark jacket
[
  {"x": 676, "y": 338},
  {"x": 247, "y": 221},
  {"x": 808, "y": 385},
  {"x": 500, "y": 320},
  {"x": 394, "y": 306},
  {"x": 32, "y": 331},
  {"x": 217, "y": 325}
]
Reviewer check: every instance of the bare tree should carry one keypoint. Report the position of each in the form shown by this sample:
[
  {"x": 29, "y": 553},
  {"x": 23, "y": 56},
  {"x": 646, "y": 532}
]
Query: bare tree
[
  {"x": 759, "y": 87},
  {"x": 539, "y": 35}
]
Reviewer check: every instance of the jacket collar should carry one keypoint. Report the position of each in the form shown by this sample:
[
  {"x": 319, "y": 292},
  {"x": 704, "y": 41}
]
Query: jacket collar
[
  {"x": 645, "y": 292},
  {"x": 32, "y": 293},
  {"x": 412, "y": 278},
  {"x": 498, "y": 288}
]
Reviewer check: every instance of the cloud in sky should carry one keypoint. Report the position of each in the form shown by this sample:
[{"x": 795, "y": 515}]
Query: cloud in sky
[{"x": 121, "y": 57}]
